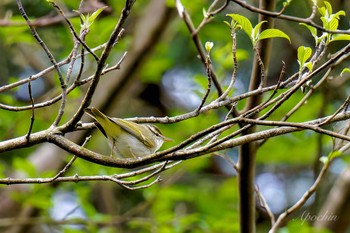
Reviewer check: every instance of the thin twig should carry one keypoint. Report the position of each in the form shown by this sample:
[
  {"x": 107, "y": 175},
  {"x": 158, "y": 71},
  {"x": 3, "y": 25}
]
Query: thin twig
[
  {"x": 68, "y": 165},
  {"x": 341, "y": 108},
  {"x": 307, "y": 21},
  {"x": 264, "y": 205},
  {"x": 206, "y": 19},
  {"x": 69, "y": 89},
  {"x": 32, "y": 117},
  {"x": 235, "y": 68},
  {"x": 73, "y": 30},
  {"x": 114, "y": 37},
  {"x": 210, "y": 78},
  {"x": 302, "y": 200},
  {"x": 52, "y": 60}
]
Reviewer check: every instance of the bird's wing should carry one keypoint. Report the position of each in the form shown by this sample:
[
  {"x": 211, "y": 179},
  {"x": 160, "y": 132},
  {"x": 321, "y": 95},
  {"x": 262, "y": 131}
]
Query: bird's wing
[{"x": 132, "y": 128}]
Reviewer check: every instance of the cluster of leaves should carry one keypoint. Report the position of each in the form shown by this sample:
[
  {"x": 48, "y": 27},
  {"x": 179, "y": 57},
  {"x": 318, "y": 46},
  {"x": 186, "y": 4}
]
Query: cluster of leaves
[{"x": 254, "y": 34}]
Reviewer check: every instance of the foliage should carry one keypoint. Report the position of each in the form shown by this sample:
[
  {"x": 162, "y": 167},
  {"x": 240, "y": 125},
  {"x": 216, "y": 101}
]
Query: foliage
[{"x": 254, "y": 34}]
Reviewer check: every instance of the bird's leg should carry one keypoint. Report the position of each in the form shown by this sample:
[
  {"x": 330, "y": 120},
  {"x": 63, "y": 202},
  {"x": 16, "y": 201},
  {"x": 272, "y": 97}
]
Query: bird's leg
[{"x": 112, "y": 147}]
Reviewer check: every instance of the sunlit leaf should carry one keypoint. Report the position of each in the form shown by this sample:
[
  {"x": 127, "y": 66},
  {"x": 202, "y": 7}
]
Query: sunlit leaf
[
  {"x": 95, "y": 14},
  {"x": 227, "y": 23},
  {"x": 286, "y": 3},
  {"x": 329, "y": 7},
  {"x": 244, "y": 22},
  {"x": 273, "y": 33},
  {"x": 304, "y": 53},
  {"x": 324, "y": 22},
  {"x": 339, "y": 13},
  {"x": 335, "y": 154},
  {"x": 312, "y": 29},
  {"x": 309, "y": 66},
  {"x": 256, "y": 30},
  {"x": 322, "y": 11},
  {"x": 337, "y": 37},
  {"x": 333, "y": 24}
]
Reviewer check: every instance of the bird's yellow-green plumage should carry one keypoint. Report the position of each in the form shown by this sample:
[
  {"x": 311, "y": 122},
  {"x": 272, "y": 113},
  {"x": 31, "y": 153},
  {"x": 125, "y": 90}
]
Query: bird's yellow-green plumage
[
  {"x": 113, "y": 127},
  {"x": 126, "y": 138}
]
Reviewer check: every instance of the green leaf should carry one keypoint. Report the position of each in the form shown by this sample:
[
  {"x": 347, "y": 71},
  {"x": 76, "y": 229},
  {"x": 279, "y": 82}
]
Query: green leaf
[
  {"x": 96, "y": 13},
  {"x": 286, "y": 3},
  {"x": 312, "y": 29},
  {"x": 329, "y": 7},
  {"x": 325, "y": 23},
  {"x": 304, "y": 54},
  {"x": 330, "y": 21},
  {"x": 273, "y": 33},
  {"x": 339, "y": 13},
  {"x": 335, "y": 154},
  {"x": 322, "y": 11},
  {"x": 228, "y": 24},
  {"x": 331, "y": 156},
  {"x": 90, "y": 20},
  {"x": 244, "y": 23},
  {"x": 333, "y": 24},
  {"x": 308, "y": 65},
  {"x": 255, "y": 34},
  {"x": 337, "y": 37},
  {"x": 313, "y": 32}
]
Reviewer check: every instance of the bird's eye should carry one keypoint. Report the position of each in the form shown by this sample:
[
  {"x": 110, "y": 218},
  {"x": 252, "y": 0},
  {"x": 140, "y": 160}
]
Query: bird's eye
[
  {"x": 157, "y": 134},
  {"x": 155, "y": 131}
]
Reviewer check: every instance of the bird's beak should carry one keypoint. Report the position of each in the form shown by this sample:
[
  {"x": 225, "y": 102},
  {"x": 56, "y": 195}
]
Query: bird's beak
[{"x": 167, "y": 139}]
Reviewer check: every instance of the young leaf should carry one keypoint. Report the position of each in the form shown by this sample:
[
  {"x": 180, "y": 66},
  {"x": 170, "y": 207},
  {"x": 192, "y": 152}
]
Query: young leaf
[
  {"x": 333, "y": 24},
  {"x": 286, "y": 3},
  {"x": 94, "y": 15},
  {"x": 89, "y": 20},
  {"x": 273, "y": 33},
  {"x": 313, "y": 32},
  {"x": 322, "y": 11},
  {"x": 329, "y": 7},
  {"x": 228, "y": 24},
  {"x": 208, "y": 46},
  {"x": 256, "y": 29},
  {"x": 304, "y": 54},
  {"x": 309, "y": 66},
  {"x": 337, "y": 37},
  {"x": 335, "y": 154},
  {"x": 244, "y": 23}
]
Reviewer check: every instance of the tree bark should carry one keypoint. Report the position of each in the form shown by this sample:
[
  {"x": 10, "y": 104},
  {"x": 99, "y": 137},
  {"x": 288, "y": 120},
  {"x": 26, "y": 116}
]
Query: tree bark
[{"x": 247, "y": 152}]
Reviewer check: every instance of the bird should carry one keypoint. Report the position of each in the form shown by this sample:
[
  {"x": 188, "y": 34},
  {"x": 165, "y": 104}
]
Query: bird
[{"x": 126, "y": 138}]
